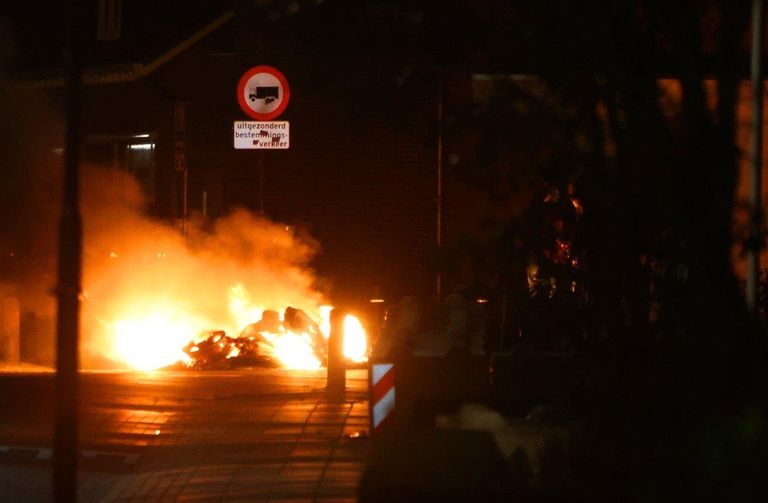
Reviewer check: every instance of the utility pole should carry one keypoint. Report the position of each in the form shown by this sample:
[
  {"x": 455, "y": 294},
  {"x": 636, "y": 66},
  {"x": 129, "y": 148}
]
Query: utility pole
[
  {"x": 65, "y": 442},
  {"x": 439, "y": 199},
  {"x": 755, "y": 161}
]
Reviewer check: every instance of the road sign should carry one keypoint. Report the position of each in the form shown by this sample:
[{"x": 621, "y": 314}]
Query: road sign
[
  {"x": 262, "y": 135},
  {"x": 263, "y": 93}
]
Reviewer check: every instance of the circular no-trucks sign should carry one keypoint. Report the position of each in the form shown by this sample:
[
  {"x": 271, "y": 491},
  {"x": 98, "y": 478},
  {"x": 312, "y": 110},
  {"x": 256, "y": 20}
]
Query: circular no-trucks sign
[{"x": 263, "y": 92}]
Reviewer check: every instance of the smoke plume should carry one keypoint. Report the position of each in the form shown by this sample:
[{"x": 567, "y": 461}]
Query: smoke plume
[
  {"x": 145, "y": 284},
  {"x": 136, "y": 267}
]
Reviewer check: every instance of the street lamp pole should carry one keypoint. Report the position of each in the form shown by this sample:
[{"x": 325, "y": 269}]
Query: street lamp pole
[
  {"x": 65, "y": 440},
  {"x": 439, "y": 198},
  {"x": 755, "y": 164}
]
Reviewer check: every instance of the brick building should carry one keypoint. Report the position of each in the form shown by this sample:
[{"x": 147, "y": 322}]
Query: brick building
[{"x": 364, "y": 189}]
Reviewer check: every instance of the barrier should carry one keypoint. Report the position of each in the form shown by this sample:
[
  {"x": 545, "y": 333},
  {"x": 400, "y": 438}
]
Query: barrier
[
  {"x": 382, "y": 387},
  {"x": 337, "y": 366}
]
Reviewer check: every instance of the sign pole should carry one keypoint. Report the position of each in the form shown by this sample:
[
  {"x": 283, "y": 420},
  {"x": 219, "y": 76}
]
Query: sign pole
[
  {"x": 260, "y": 51},
  {"x": 261, "y": 183},
  {"x": 180, "y": 164}
]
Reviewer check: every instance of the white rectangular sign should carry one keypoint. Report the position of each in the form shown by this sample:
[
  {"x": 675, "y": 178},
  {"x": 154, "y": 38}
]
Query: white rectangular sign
[{"x": 262, "y": 134}]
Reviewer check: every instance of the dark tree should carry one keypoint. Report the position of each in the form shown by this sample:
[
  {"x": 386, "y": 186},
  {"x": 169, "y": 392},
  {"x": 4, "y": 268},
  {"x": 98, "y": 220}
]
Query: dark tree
[{"x": 622, "y": 195}]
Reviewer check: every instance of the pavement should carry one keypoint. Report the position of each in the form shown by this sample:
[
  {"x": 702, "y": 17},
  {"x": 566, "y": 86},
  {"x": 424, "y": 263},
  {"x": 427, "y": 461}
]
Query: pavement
[{"x": 246, "y": 435}]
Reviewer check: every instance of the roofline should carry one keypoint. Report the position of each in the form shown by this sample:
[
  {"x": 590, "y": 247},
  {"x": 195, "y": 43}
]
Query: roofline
[
  {"x": 186, "y": 44},
  {"x": 130, "y": 72}
]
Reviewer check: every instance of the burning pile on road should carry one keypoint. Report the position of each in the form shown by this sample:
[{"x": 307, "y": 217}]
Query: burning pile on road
[
  {"x": 213, "y": 296},
  {"x": 158, "y": 332},
  {"x": 293, "y": 341},
  {"x": 290, "y": 339}
]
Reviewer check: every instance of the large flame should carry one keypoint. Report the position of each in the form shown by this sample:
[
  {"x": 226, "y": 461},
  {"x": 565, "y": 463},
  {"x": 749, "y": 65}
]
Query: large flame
[
  {"x": 152, "y": 341},
  {"x": 355, "y": 340},
  {"x": 241, "y": 307},
  {"x": 293, "y": 351},
  {"x": 152, "y": 334},
  {"x": 299, "y": 349},
  {"x": 149, "y": 290}
]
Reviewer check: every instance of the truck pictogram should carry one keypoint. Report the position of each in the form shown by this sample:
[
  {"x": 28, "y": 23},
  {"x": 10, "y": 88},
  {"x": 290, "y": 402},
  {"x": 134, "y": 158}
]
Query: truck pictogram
[{"x": 266, "y": 93}]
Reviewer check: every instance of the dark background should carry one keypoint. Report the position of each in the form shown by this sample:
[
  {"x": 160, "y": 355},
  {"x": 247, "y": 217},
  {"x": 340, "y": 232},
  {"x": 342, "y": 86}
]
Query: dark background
[{"x": 592, "y": 157}]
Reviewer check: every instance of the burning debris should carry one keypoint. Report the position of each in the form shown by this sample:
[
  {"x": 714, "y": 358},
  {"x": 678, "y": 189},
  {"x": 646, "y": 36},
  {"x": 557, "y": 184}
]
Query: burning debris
[
  {"x": 295, "y": 341},
  {"x": 218, "y": 351},
  {"x": 143, "y": 308}
]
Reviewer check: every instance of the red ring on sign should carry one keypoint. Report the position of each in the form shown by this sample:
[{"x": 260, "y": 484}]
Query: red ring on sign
[{"x": 241, "y": 92}]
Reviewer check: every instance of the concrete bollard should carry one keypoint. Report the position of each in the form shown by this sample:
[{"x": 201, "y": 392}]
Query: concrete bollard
[
  {"x": 10, "y": 325},
  {"x": 337, "y": 371}
]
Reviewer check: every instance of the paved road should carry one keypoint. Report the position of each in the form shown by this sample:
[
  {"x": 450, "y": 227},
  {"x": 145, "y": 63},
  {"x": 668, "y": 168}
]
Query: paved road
[{"x": 248, "y": 435}]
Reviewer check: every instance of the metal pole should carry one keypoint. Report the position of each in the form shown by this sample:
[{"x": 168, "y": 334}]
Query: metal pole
[
  {"x": 261, "y": 183},
  {"x": 439, "y": 220},
  {"x": 180, "y": 164},
  {"x": 756, "y": 156},
  {"x": 260, "y": 59},
  {"x": 185, "y": 201},
  {"x": 65, "y": 440}
]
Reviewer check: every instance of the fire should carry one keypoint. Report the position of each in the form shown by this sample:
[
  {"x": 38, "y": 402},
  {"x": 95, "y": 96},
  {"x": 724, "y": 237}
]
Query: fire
[
  {"x": 355, "y": 340},
  {"x": 235, "y": 291},
  {"x": 152, "y": 341},
  {"x": 153, "y": 338},
  {"x": 325, "y": 320},
  {"x": 299, "y": 350},
  {"x": 293, "y": 351},
  {"x": 241, "y": 308},
  {"x": 156, "y": 333}
]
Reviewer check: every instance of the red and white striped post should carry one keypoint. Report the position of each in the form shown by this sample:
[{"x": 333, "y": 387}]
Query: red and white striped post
[{"x": 382, "y": 387}]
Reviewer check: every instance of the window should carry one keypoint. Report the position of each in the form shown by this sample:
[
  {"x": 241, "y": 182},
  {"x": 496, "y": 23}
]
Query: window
[
  {"x": 109, "y": 19},
  {"x": 132, "y": 153}
]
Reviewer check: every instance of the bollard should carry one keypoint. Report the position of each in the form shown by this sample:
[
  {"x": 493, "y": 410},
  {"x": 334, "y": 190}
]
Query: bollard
[
  {"x": 10, "y": 325},
  {"x": 382, "y": 394},
  {"x": 337, "y": 371}
]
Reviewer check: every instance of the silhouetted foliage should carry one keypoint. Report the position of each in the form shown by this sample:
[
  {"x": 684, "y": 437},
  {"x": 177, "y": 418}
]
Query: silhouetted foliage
[{"x": 625, "y": 212}]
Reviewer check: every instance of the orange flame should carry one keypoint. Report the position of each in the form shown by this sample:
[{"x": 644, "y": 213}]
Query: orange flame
[
  {"x": 355, "y": 340},
  {"x": 152, "y": 340},
  {"x": 293, "y": 351},
  {"x": 152, "y": 290}
]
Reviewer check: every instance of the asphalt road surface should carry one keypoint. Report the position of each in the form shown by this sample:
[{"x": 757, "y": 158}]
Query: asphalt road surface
[{"x": 246, "y": 435}]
